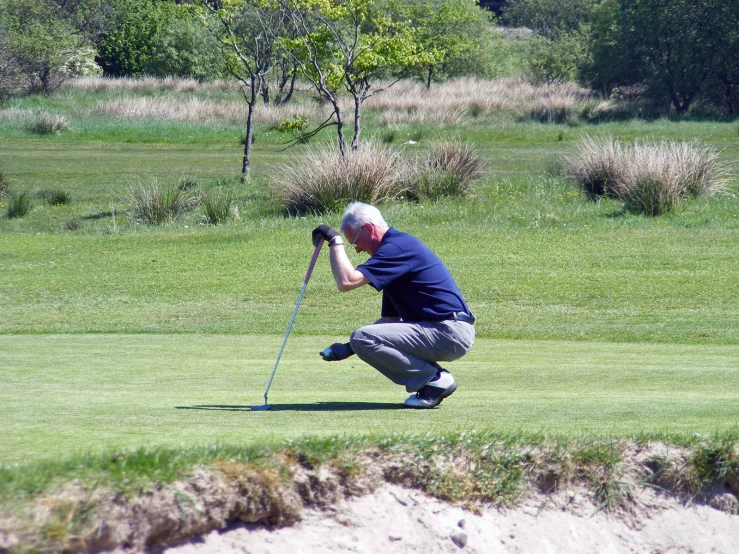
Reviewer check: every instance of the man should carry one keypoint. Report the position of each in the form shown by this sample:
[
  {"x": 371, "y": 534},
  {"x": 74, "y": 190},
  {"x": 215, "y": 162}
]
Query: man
[{"x": 424, "y": 318}]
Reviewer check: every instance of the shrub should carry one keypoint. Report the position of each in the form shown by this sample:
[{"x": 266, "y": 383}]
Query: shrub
[
  {"x": 48, "y": 124},
  {"x": 323, "y": 180},
  {"x": 155, "y": 206},
  {"x": 218, "y": 206},
  {"x": 19, "y": 205},
  {"x": 449, "y": 169},
  {"x": 55, "y": 197},
  {"x": 649, "y": 177}
]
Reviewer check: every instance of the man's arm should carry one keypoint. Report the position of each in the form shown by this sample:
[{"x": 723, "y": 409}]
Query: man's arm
[{"x": 346, "y": 277}]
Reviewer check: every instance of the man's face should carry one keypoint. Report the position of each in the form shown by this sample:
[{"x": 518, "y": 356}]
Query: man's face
[{"x": 364, "y": 240}]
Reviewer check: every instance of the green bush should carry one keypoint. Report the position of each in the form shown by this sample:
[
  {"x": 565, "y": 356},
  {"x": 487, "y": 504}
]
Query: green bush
[
  {"x": 547, "y": 18},
  {"x": 184, "y": 48},
  {"x": 557, "y": 60},
  {"x": 19, "y": 205},
  {"x": 154, "y": 205},
  {"x": 128, "y": 46}
]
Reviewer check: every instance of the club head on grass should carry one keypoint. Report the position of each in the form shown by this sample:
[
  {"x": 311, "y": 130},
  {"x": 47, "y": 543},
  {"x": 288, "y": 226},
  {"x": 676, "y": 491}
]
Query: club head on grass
[{"x": 262, "y": 408}]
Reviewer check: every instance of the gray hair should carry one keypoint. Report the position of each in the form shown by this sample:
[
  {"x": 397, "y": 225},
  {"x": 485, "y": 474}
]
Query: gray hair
[{"x": 359, "y": 213}]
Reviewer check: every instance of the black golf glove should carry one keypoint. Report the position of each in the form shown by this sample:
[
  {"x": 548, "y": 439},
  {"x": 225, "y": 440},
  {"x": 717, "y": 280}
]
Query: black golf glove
[
  {"x": 325, "y": 232},
  {"x": 337, "y": 352}
]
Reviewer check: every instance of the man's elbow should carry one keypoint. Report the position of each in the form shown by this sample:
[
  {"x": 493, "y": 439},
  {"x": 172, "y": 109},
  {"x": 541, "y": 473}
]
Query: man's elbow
[{"x": 345, "y": 287}]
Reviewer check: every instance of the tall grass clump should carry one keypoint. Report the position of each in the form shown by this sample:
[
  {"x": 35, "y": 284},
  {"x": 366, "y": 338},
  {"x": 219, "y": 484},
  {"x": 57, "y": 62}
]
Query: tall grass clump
[
  {"x": 154, "y": 205},
  {"x": 449, "y": 168},
  {"x": 597, "y": 165},
  {"x": 47, "y": 124},
  {"x": 55, "y": 197},
  {"x": 649, "y": 177},
  {"x": 322, "y": 180},
  {"x": 3, "y": 186},
  {"x": 19, "y": 205},
  {"x": 219, "y": 206}
]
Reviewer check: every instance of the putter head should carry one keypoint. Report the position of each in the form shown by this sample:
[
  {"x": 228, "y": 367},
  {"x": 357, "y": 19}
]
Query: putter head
[{"x": 263, "y": 408}]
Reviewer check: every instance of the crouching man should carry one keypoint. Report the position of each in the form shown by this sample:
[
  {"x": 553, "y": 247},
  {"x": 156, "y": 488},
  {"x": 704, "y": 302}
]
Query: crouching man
[{"x": 424, "y": 318}]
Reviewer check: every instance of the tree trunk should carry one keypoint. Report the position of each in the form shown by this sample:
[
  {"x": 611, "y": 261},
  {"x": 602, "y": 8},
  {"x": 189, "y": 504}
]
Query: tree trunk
[
  {"x": 251, "y": 100},
  {"x": 428, "y": 78},
  {"x": 355, "y": 138},
  {"x": 339, "y": 128}
]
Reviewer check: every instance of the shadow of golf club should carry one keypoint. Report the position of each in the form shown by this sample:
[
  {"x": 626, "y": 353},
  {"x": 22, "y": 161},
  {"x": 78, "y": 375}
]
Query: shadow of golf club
[{"x": 317, "y": 407}]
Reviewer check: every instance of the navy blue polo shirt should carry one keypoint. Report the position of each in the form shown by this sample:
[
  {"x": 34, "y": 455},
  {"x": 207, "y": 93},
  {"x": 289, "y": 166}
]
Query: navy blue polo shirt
[{"x": 415, "y": 283}]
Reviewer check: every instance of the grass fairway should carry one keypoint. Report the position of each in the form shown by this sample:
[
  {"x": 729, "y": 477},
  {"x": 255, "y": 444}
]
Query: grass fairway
[{"x": 77, "y": 393}]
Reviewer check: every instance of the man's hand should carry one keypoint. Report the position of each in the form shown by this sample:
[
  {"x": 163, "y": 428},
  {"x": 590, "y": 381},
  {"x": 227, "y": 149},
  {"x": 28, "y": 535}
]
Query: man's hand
[
  {"x": 325, "y": 232},
  {"x": 337, "y": 352}
]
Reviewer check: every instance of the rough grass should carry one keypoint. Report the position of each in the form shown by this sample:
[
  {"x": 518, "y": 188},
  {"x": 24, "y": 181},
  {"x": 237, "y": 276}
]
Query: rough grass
[
  {"x": 155, "y": 205},
  {"x": 321, "y": 180},
  {"x": 650, "y": 177},
  {"x": 18, "y": 205}
]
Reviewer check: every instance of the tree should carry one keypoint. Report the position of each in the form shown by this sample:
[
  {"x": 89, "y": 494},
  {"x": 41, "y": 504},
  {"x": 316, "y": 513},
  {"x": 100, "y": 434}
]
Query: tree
[
  {"x": 247, "y": 31},
  {"x": 458, "y": 34},
  {"x": 344, "y": 46},
  {"x": 126, "y": 47},
  {"x": 556, "y": 60},
  {"x": 548, "y": 18},
  {"x": 37, "y": 44},
  {"x": 671, "y": 46}
]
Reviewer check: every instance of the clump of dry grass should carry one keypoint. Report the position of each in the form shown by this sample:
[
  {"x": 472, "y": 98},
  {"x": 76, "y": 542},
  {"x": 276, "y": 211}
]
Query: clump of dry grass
[
  {"x": 145, "y": 84},
  {"x": 47, "y": 124},
  {"x": 323, "y": 180},
  {"x": 449, "y": 168},
  {"x": 649, "y": 177}
]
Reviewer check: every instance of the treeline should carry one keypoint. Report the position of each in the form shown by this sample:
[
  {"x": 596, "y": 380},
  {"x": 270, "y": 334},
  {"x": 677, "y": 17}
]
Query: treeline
[
  {"x": 673, "y": 54},
  {"x": 669, "y": 55},
  {"x": 44, "y": 42}
]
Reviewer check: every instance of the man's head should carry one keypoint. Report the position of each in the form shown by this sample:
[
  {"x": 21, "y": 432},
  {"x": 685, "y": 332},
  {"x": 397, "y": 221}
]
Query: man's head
[{"x": 363, "y": 226}]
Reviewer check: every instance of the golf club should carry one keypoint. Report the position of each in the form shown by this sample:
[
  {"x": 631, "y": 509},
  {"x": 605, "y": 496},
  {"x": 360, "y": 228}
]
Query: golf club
[{"x": 290, "y": 326}]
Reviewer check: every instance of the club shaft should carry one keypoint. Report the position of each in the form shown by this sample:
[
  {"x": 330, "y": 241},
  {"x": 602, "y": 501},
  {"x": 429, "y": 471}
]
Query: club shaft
[{"x": 295, "y": 313}]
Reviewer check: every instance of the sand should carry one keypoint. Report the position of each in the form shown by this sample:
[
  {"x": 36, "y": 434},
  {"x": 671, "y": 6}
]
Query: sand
[{"x": 394, "y": 520}]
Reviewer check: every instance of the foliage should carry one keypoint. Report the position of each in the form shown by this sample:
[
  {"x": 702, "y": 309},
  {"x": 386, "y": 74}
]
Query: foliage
[
  {"x": 127, "y": 46},
  {"x": 459, "y": 34},
  {"x": 345, "y": 47},
  {"x": 556, "y": 60},
  {"x": 36, "y": 45},
  {"x": 296, "y": 125},
  {"x": 184, "y": 48},
  {"x": 549, "y": 19},
  {"x": 19, "y": 205},
  {"x": 154, "y": 205},
  {"x": 674, "y": 47}
]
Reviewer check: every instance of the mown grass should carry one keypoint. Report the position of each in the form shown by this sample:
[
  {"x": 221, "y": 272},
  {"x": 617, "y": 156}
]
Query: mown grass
[
  {"x": 592, "y": 321},
  {"x": 78, "y": 393}
]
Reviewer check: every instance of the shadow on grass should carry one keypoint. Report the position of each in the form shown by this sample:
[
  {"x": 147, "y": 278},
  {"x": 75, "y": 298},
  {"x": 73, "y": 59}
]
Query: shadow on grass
[{"x": 317, "y": 407}]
